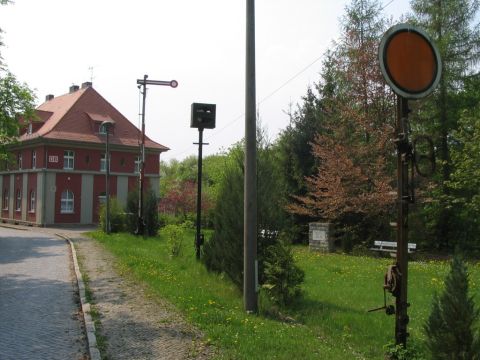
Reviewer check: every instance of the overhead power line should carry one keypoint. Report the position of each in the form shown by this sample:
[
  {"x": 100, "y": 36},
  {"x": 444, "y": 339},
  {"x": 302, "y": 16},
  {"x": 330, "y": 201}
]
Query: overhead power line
[{"x": 267, "y": 97}]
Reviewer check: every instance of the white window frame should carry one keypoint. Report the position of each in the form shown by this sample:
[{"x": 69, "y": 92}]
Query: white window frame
[
  {"x": 137, "y": 163},
  {"x": 6, "y": 195},
  {"x": 103, "y": 162},
  {"x": 67, "y": 202},
  {"x": 102, "y": 199},
  {"x": 18, "y": 200},
  {"x": 33, "y": 201},
  {"x": 19, "y": 161},
  {"x": 102, "y": 129},
  {"x": 34, "y": 159},
  {"x": 68, "y": 159},
  {"x": 30, "y": 129}
]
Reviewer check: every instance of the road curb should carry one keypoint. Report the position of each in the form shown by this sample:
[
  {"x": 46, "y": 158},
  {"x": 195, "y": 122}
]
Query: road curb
[{"x": 89, "y": 324}]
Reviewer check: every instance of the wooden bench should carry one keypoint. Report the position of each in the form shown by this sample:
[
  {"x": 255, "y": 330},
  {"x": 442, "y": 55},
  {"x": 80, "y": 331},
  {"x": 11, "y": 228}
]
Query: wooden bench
[{"x": 391, "y": 247}]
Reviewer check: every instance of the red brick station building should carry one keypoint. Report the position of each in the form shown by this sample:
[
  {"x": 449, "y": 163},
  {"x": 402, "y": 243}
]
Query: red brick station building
[{"x": 58, "y": 173}]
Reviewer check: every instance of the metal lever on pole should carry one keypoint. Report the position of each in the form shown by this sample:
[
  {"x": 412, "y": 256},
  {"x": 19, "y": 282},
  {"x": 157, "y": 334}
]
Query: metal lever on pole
[
  {"x": 141, "y": 176},
  {"x": 389, "y": 310}
]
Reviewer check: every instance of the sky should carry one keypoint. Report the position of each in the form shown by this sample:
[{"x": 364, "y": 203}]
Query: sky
[{"x": 52, "y": 44}]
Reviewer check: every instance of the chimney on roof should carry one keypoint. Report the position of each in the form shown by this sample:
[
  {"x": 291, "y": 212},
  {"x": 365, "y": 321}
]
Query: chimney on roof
[
  {"x": 86, "y": 84},
  {"x": 73, "y": 88},
  {"x": 49, "y": 97}
]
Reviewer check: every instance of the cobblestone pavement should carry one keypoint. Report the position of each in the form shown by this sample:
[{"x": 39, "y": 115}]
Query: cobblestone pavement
[
  {"x": 39, "y": 310},
  {"x": 134, "y": 325}
]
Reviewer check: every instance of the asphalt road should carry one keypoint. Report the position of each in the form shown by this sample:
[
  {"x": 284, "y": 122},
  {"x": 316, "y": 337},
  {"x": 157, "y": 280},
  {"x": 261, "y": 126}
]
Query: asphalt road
[{"x": 39, "y": 305}]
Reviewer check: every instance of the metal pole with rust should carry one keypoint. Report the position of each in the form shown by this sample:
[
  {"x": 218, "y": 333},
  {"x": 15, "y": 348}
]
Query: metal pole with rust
[
  {"x": 142, "y": 83},
  {"x": 141, "y": 179},
  {"x": 403, "y": 199}
]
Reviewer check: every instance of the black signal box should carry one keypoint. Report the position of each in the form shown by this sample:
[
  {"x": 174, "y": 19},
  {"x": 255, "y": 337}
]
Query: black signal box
[{"x": 203, "y": 116}]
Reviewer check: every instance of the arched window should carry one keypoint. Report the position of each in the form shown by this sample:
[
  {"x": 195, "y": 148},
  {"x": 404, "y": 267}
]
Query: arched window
[
  {"x": 67, "y": 202},
  {"x": 18, "y": 200},
  {"x": 5, "y": 199},
  {"x": 32, "y": 201}
]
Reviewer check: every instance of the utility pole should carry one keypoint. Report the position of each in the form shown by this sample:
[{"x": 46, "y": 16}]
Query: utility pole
[
  {"x": 141, "y": 178},
  {"x": 250, "y": 199}
]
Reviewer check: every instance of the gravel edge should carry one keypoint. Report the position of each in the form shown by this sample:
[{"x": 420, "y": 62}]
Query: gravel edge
[{"x": 89, "y": 324}]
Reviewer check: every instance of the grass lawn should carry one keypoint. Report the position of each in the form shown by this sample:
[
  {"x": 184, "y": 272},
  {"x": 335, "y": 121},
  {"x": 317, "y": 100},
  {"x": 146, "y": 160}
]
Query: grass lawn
[{"x": 332, "y": 319}]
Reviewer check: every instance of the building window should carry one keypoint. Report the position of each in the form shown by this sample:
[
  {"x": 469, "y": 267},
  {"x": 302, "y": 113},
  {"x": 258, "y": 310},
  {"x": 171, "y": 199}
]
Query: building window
[
  {"x": 18, "y": 202},
  {"x": 103, "y": 163},
  {"x": 137, "y": 165},
  {"x": 30, "y": 129},
  {"x": 68, "y": 159},
  {"x": 102, "y": 198},
  {"x": 102, "y": 129},
  {"x": 34, "y": 159},
  {"x": 66, "y": 202},
  {"x": 32, "y": 201},
  {"x": 19, "y": 161},
  {"x": 5, "y": 199}
]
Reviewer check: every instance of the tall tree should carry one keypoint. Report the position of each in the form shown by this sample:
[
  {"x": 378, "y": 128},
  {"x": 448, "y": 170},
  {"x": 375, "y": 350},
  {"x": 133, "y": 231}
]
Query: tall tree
[
  {"x": 16, "y": 102},
  {"x": 464, "y": 182},
  {"x": 295, "y": 156},
  {"x": 453, "y": 26},
  {"x": 354, "y": 174}
]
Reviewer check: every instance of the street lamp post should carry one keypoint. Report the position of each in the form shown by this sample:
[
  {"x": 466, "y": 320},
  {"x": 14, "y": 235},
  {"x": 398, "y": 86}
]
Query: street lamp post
[{"x": 106, "y": 126}]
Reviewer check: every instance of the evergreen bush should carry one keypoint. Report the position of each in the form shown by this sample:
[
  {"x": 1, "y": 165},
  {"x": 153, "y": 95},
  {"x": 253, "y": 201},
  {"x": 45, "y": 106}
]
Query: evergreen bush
[
  {"x": 150, "y": 212},
  {"x": 281, "y": 277},
  {"x": 117, "y": 216},
  {"x": 132, "y": 212},
  {"x": 223, "y": 252},
  {"x": 450, "y": 328}
]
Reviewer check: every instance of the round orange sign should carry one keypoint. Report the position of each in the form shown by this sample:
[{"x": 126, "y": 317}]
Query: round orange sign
[{"x": 409, "y": 61}]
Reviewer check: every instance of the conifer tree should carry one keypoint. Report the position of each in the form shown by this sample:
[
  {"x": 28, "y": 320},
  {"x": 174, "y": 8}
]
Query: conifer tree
[
  {"x": 453, "y": 26},
  {"x": 450, "y": 328},
  {"x": 353, "y": 153}
]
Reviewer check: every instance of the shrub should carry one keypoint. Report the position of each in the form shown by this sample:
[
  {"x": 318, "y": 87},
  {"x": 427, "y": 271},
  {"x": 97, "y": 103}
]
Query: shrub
[
  {"x": 398, "y": 352},
  {"x": 132, "y": 212},
  {"x": 223, "y": 252},
  {"x": 117, "y": 216},
  {"x": 451, "y": 324},
  {"x": 150, "y": 212},
  {"x": 175, "y": 235},
  {"x": 168, "y": 219},
  {"x": 282, "y": 278}
]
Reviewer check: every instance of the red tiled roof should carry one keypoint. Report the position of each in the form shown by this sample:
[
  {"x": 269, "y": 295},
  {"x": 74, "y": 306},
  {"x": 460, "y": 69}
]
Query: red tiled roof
[{"x": 73, "y": 116}]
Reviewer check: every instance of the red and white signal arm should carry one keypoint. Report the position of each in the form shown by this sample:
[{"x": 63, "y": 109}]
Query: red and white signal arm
[{"x": 409, "y": 61}]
